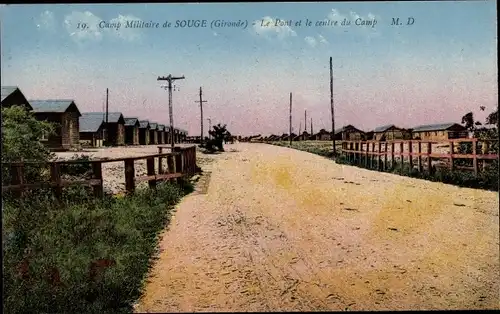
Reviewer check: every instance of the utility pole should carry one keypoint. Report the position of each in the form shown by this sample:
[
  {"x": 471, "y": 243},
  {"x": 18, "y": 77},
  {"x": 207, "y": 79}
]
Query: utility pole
[
  {"x": 290, "y": 135},
  {"x": 300, "y": 128},
  {"x": 311, "y": 126},
  {"x": 201, "y": 101},
  {"x": 170, "y": 79},
  {"x": 332, "y": 109},
  {"x": 305, "y": 120},
  {"x": 107, "y": 114},
  {"x": 209, "y": 127}
]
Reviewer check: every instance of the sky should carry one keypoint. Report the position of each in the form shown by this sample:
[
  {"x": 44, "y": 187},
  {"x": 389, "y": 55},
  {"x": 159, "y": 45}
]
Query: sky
[{"x": 434, "y": 70}]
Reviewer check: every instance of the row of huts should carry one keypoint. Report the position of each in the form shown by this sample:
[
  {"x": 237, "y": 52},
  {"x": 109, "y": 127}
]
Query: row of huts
[
  {"x": 431, "y": 132},
  {"x": 75, "y": 129}
]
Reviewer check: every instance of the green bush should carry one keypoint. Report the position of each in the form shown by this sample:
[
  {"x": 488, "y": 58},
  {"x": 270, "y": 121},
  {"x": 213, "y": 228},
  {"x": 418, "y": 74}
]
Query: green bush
[
  {"x": 20, "y": 141},
  {"x": 487, "y": 179},
  {"x": 61, "y": 244},
  {"x": 77, "y": 169},
  {"x": 81, "y": 255}
]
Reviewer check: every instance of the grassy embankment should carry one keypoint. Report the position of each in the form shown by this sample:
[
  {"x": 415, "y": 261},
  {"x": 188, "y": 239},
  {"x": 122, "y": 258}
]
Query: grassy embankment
[{"x": 487, "y": 179}]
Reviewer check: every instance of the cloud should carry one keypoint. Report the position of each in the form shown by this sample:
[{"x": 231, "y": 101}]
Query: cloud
[
  {"x": 128, "y": 34},
  {"x": 92, "y": 32},
  {"x": 267, "y": 27},
  {"x": 322, "y": 39},
  {"x": 46, "y": 21},
  {"x": 335, "y": 15},
  {"x": 313, "y": 42},
  {"x": 73, "y": 22}
]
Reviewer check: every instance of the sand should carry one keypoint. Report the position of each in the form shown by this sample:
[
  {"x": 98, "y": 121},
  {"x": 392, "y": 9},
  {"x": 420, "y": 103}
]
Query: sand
[
  {"x": 114, "y": 172},
  {"x": 275, "y": 229}
]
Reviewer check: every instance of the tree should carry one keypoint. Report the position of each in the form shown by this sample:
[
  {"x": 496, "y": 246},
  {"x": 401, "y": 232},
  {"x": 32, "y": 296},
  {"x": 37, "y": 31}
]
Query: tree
[
  {"x": 492, "y": 118},
  {"x": 21, "y": 134},
  {"x": 468, "y": 121},
  {"x": 219, "y": 135}
]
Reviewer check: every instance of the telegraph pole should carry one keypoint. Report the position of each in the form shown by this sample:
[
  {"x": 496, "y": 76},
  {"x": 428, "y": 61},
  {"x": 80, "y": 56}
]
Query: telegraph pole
[
  {"x": 107, "y": 114},
  {"x": 305, "y": 120},
  {"x": 201, "y": 101},
  {"x": 311, "y": 126},
  {"x": 290, "y": 135},
  {"x": 170, "y": 79},
  {"x": 332, "y": 109}
]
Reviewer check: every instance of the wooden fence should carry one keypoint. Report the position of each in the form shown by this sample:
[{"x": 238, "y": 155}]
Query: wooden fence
[
  {"x": 360, "y": 152},
  {"x": 180, "y": 163}
]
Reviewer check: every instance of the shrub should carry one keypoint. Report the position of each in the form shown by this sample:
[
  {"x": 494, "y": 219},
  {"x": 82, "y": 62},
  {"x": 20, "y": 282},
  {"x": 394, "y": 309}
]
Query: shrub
[
  {"x": 486, "y": 179},
  {"x": 81, "y": 255},
  {"x": 77, "y": 170},
  {"x": 89, "y": 256},
  {"x": 20, "y": 141}
]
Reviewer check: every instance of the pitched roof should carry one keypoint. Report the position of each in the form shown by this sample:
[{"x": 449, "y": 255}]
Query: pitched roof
[
  {"x": 113, "y": 117},
  {"x": 131, "y": 121},
  {"x": 383, "y": 128},
  {"x": 161, "y": 127},
  {"x": 434, "y": 127},
  {"x": 7, "y": 90},
  {"x": 143, "y": 124},
  {"x": 153, "y": 125},
  {"x": 90, "y": 122},
  {"x": 337, "y": 131},
  {"x": 51, "y": 105}
]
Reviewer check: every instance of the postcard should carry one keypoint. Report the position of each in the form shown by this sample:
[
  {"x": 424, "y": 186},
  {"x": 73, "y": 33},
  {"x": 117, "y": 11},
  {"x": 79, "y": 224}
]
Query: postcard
[{"x": 194, "y": 157}]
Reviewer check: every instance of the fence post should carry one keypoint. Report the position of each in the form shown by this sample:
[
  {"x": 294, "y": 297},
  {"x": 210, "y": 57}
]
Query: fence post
[
  {"x": 379, "y": 159},
  {"x": 410, "y": 151},
  {"x": 452, "y": 151},
  {"x": 150, "y": 165},
  {"x": 170, "y": 164},
  {"x": 55, "y": 177},
  {"x": 160, "y": 160},
  {"x": 367, "y": 154},
  {"x": 429, "y": 158},
  {"x": 484, "y": 151},
  {"x": 419, "y": 156},
  {"x": 371, "y": 159},
  {"x": 474, "y": 156},
  {"x": 401, "y": 149},
  {"x": 385, "y": 156},
  {"x": 179, "y": 162},
  {"x": 191, "y": 161},
  {"x": 392, "y": 156},
  {"x": 97, "y": 174},
  {"x": 178, "y": 159},
  {"x": 129, "y": 176}
]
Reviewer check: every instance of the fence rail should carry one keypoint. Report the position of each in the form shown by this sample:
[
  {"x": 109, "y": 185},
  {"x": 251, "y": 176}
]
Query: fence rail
[
  {"x": 359, "y": 152},
  {"x": 180, "y": 163}
]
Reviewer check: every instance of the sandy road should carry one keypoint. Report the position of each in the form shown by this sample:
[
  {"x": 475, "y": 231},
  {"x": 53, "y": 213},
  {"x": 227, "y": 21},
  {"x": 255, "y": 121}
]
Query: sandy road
[{"x": 279, "y": 229}]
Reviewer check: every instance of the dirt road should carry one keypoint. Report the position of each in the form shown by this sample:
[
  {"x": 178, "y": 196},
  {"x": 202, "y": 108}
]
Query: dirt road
[{"x": 279, "y": 229}]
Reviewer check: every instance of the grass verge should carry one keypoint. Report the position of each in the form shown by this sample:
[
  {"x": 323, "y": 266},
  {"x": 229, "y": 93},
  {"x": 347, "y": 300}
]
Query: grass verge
[
  {"x": 86, "y": 256},
  {"x": 486, "y": 179}
]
